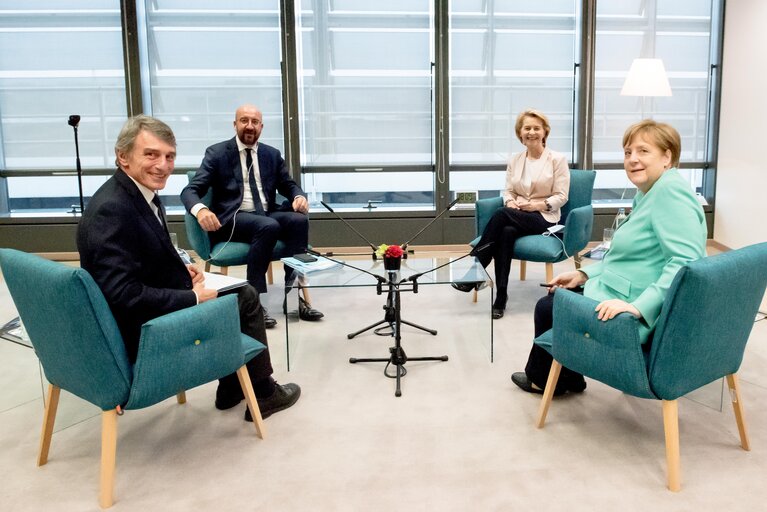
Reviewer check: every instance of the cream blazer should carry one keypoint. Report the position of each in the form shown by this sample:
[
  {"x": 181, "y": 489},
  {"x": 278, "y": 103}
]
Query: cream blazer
[{"x": 552, "y": 182}]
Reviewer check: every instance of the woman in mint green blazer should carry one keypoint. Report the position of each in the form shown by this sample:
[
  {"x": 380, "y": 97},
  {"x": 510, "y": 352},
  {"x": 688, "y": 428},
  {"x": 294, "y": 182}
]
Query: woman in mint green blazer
[{"x": 665, "y": 230}]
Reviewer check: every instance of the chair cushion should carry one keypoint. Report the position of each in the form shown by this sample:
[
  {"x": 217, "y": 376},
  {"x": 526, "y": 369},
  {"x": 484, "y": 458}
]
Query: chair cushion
[{"x": 539, "y": 248}]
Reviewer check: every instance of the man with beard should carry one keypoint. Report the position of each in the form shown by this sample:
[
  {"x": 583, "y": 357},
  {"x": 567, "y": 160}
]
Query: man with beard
[{"x": 245, "y": 177}]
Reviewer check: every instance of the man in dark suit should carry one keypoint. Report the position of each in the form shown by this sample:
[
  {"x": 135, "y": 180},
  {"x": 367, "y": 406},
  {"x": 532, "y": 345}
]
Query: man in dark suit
[
  {"x": 124, "y": 244},
  {"x": 245, "y": 177}
]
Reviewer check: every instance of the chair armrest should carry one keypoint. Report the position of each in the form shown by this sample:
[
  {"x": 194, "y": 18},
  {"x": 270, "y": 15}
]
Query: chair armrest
[
  {"x": 197, "y": 237},
  {"x": 610, "y": 351},
  {"x": 483, "y": 210},
  {"x": 578, "y": 229},
  {"x": 186, "y": 348}
]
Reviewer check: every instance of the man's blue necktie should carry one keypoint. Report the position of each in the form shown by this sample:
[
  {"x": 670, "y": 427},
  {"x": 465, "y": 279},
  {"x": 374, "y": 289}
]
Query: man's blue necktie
[{"x": 252, "y": 181}]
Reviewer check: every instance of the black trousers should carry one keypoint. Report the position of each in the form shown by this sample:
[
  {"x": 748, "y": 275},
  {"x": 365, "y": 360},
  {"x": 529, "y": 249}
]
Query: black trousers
[
  {"x": 503, "y": 229},
  {"x": 262, "y": 232},
  {"x": 539, "y": 361},
  {"x": 252, "y": 324}
]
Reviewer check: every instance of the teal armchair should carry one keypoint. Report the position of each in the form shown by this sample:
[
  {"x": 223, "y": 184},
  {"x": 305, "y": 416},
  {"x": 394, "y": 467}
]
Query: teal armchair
[
  {"x": 577, "y": 217},
  {"x": 81, "y": 351},
  {"x": 700, "y": 337}
]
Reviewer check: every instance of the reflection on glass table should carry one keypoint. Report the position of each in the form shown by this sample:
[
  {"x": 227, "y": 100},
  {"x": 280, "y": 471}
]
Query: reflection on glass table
[{"x": 358, "y": 303}]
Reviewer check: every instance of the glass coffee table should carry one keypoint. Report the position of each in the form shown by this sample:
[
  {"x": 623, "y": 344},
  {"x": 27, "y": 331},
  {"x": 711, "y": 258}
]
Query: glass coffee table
[{"x": 372, "y": 299}]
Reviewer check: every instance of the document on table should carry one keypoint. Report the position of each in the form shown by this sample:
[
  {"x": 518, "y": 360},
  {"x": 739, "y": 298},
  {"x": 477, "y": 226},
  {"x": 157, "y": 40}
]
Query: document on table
[{"x": 313, "y": 266}]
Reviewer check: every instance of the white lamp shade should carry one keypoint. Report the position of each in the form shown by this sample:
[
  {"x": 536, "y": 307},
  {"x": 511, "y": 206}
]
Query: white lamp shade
[{"x": 647, "y": 77}]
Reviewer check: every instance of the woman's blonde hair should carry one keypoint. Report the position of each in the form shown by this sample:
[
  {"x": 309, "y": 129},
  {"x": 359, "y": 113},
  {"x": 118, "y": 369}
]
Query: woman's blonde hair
[
  {"x": 536, "y": 114},
  {"x": 663, "y": 135}
]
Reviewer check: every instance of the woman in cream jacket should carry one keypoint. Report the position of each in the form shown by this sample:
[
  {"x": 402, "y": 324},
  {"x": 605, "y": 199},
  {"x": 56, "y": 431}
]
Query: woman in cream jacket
[{"x": 537, "y": 182}]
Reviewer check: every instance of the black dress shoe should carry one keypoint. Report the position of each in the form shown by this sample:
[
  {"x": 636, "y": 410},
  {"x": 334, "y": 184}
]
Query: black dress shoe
[
  {"x": 469, "y": 286},
  {"x": 282, "y": 398},
  {"x": 269, "y": 322},
  {"x": 521, "y": 380},
  {"x": 497, "y": 313},
  {"x": 306, "y": 312},
  {"x": 227, "y": 397}
]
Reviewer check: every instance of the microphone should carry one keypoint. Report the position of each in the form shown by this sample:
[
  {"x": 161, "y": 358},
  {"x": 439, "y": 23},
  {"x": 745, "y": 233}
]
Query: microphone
[
  {"x": 404, "y": 246},
  {"x": 328, "y": 208},
  {"x": 473, "y": 252},
  {"x": 481, "y": 248},
  {"x": 380, "y": 279},
  {"x": 74, "y": 120}
]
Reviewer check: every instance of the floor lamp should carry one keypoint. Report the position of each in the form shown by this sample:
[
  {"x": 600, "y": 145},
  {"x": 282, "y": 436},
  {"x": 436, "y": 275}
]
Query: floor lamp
[{"x": 646, "y": 78}]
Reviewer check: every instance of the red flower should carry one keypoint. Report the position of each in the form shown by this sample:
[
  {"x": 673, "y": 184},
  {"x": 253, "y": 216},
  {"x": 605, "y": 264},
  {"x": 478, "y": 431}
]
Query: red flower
[{"x": 393, "y": 251}]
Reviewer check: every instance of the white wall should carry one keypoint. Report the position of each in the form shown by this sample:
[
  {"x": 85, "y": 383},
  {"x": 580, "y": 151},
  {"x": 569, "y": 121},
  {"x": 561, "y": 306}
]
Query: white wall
[{"x": 741, "y": 188}]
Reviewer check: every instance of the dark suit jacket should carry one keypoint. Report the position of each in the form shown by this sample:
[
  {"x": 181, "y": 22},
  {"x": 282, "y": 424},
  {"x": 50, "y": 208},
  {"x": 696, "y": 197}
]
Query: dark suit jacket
[
  {"x": 221, "y": 172},
  {"x": 130, "y": 256}
]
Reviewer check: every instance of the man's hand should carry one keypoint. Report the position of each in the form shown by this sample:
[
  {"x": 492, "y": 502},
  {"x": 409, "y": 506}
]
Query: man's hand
[
  {"x": 208, "y": 220},
  {"x": 570, "y": 280},
  {"x": 300, "y": 204},
  {"x": 609, "y": 309},
  {"x": 196, "y": 275},
  {"x": 204, "y": 294}
]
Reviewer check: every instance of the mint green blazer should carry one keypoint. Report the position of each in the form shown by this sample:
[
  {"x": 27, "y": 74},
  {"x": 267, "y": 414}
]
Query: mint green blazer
[{"x": 665, "y": 230}]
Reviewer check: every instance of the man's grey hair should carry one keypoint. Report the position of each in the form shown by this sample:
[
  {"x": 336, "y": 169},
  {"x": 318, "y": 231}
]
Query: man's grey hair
[{"x": 134, "y": 125}]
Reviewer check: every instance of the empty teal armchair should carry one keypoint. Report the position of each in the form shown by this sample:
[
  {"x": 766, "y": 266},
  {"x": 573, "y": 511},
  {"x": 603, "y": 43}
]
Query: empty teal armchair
[
  {"x": 577, "y": 217},
  {"x": 700, "y": 337},
  {"x": 81, "y": 351}
]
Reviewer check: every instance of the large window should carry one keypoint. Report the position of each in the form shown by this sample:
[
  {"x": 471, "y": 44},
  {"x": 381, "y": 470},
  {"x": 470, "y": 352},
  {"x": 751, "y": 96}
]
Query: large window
[
  {"x": 366, "y": 101},
  {"x": 679, "y": 33},
  {"x": 505, "y": 57},
  {"x": 58, "y": 59},
  {"x": 203, "y": 60},
  {"x": 391, "y": 106}
]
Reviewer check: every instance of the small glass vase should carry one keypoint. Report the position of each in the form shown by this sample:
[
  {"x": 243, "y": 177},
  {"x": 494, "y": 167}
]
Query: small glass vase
[{"x": 392, "y": 263}]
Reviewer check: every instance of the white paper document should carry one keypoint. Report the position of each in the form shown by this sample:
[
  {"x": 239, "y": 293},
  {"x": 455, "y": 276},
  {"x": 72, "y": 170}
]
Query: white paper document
[{"x": 223, "y": 283}]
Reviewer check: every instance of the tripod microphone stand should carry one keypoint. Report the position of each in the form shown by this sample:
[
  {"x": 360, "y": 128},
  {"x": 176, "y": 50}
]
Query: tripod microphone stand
[
  {"x": 397, "y": 356},
  {"x": 389, "y": 315}
]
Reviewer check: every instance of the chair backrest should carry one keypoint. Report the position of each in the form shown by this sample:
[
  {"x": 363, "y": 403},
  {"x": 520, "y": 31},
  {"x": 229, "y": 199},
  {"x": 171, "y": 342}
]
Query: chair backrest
[
  {"x": 194, "y": 233},
  {"x": 70, "y": 326},
  {"x": 580, "y": 193},
  {"x": 706, "y": 320}
]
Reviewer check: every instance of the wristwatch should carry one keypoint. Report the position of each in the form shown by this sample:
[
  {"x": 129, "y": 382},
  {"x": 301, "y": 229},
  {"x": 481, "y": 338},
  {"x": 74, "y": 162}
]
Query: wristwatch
[{"x": 548, "y": 206}]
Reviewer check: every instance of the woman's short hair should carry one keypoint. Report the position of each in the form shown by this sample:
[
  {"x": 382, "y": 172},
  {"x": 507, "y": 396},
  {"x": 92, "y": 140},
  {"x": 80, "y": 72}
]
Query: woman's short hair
[
  {"x": 135, "y": 125},
  {"x": 662, "y": 135},
  {"x": 536, "y": 114}
]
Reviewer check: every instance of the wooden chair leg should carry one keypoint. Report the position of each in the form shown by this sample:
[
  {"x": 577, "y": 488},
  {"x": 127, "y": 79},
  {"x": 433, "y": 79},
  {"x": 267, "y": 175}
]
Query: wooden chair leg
[
  {"x": 49, "y": 419},
  {"x": 250, "y": 398},
  {"x": 475, "y": 295},
  {"x": 577, "y": 259},
  {"x": 181, "y": 397},
  {"x": 737, "y": 406},
  {"x": 224, "y": 271},
  {"x": 207, "y": 266},
  {"x": 548, "y": 393},
  {"x": 269, "y": 274},
  {"x": 108, "y": 455},
  {"x": 549, "y": 272},
  {"x": 522, "y": 270},
  {"x": 671, "y": 428}
]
